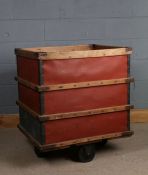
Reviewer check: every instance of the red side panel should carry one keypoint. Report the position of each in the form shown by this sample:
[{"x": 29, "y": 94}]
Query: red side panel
[
  {"x": 30, "y": 98},
  {"x": 88, "y": 69},
  {"x": 85, "y": 98},
  {"x": 28, "y": 69},
  {"x": 80, "y": 127}
]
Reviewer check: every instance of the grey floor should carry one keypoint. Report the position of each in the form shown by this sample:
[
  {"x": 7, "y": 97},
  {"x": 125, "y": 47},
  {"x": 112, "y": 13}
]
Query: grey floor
[{"x": 128, "y": 156}]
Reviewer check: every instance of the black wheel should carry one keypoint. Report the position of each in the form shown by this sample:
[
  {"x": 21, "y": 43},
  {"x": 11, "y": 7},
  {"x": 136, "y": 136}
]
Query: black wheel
[
  {"x": 103, "y": 142},
  {"x": 39, "y": 153},
  {"x": 86, "y": 153}
]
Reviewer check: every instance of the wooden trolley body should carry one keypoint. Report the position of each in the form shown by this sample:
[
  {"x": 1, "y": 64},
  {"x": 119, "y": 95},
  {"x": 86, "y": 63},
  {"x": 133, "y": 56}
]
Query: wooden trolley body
[{"x": 73, "y": 95}]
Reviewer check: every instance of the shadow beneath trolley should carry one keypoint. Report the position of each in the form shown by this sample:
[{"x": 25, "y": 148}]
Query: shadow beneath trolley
[
  {"x": 70, "y": 153},
  {"x": 21, "y": 154}
]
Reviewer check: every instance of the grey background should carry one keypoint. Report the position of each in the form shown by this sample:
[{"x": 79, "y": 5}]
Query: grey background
[{"x": 27, "y": 23}]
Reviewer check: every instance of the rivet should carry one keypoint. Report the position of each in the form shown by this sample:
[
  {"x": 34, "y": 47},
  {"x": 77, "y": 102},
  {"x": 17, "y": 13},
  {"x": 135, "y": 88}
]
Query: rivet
[{"x": 60, "y": 87}]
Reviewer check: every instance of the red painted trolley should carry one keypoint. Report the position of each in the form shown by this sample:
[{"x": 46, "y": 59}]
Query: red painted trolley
[{"x": 73, "y": 95}]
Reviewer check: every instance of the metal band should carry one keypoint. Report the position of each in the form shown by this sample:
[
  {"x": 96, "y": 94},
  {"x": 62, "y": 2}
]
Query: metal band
[
  {"x": 77, "y": 113},
  {"x": 44, "y": 88}
]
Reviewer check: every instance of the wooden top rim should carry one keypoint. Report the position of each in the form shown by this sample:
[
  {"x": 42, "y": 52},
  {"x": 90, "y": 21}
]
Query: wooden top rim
[{"x": 70, "y": 52}]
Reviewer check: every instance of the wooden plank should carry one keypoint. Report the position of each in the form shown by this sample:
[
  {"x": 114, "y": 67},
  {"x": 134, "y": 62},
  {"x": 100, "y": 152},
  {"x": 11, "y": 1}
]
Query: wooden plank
[
  {"x": 75, "y": 114},
  {"x": 57, "y": 48},
  {"x": 72, "y": 52},
  {"x": 85, "y": 113},
  {"x": 34, "y": 52},
  {"x": 85, "y": 84},
  {"x": 87, "y": 140},
  {"x": 84, "y": 54},
  {"x": 26, "y": 83},
  {"x": 44, "y": 88},
  {"x": 67, "y": 48},
  {"x": 33, "y": 113}
]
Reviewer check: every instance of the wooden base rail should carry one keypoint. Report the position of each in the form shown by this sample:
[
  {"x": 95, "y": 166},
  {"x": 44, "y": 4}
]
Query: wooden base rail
[
  {"x": 12, "y": 120},
  {"x": 75, "y": 114},
  {"x": 66, "y": 144},
  {"x": 44, "y": 88}
]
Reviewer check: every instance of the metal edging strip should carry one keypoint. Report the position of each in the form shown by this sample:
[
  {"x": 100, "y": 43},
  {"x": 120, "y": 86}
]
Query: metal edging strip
[
  {"x": 41, "y": 94},
  {"x": 128, "y": 72}
]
